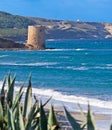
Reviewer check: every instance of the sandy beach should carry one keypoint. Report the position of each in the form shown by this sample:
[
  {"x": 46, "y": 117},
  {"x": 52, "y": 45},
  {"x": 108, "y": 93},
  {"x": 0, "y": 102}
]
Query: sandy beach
[{"x": 102, "y": 121}]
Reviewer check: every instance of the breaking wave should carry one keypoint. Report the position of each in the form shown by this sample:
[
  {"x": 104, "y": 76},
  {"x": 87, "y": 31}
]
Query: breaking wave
[
  {"x": 29, "y": 64},
  {"x": 66, "y": 99}
]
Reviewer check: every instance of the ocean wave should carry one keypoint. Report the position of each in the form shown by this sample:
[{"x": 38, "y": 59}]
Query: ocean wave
[
  {"x": 72, "y": 99},
  {"x": 103, "y": 67},
  {"x": 69, "y": 67},
  {"x": 66, "y": 49},
  {"x": 51, "y": 40},
  {"x": 78, "y": 68},
  {"x": 80, "y": 49},
  {"x": 4, "y": 56},
  {"x": 29, "y": 64},
  {"x": 58, "y": 50},
  {"x": 69, "y": 100},
  {"x": 109, "y": 65}
]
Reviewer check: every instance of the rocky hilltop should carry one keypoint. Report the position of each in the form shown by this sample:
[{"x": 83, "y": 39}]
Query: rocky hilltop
[
  {"x": 15, "y": 27},
  {"x": 9, "y": 44}
]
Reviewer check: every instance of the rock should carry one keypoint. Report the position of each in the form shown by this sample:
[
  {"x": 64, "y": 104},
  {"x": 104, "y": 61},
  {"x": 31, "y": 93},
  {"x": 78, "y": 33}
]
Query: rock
[{"x": 9, "y": 44}]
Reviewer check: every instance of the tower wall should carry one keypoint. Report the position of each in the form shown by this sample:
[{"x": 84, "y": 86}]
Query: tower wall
[{"x": 36, "y": 37}]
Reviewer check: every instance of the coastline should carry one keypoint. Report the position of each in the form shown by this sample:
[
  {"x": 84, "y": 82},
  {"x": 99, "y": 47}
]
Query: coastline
[{"x": 102, "y": 121}]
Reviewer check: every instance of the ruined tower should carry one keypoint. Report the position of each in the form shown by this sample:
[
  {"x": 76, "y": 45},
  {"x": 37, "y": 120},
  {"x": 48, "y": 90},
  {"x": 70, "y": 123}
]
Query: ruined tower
[{"x": 36, "y": 37}]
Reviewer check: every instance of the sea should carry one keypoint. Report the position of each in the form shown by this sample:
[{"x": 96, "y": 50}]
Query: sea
[{"x": 71, "y": 71}]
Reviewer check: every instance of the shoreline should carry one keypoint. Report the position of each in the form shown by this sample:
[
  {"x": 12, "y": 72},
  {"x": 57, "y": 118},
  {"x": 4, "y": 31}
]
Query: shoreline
[{"x": 102, "y": 122}]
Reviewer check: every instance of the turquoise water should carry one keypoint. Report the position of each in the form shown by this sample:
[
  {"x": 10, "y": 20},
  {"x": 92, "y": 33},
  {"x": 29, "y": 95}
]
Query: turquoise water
[{"x": 75, "y": 71}]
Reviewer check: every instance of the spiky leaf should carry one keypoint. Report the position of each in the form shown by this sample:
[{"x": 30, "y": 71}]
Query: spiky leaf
[
  {"x": 52, "y": 121},
  {"x": 19, "y": 119},
  {"x": 1, "y": 116},
  {"x": 81, "y": 111},
  {"x": 46, "y": 102},
  {"x": 75, "y": 125},
  {"x": 42, "y": 119},
  {"x": 10, "y": 120},
  {"x": 28, "y": 101},
  {"x": 10, "y": 93},
  {"x": 84, "y": 115},
  {"x": 18, "y": 98},
  {"x": 3, "y": 92},
  {"x": 9, "y": 80},
  {"x": 3, "y": 86},
  {"x": 31, "y": 125},
  {"x": 90, "y": 120}
]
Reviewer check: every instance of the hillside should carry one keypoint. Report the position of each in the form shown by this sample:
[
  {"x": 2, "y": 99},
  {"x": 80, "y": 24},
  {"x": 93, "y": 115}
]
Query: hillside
[{"x": 15, "y": 27}]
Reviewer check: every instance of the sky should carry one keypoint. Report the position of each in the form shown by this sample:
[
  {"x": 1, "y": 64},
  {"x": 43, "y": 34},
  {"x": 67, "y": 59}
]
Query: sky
[{"x": 84, "y": 10}]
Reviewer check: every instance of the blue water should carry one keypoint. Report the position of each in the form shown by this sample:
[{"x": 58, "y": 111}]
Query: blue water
[{"x": 80, "y": 68}]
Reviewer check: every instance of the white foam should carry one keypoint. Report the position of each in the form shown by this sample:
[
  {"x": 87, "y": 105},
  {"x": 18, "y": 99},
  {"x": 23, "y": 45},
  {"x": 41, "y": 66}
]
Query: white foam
[
  {"x": 80, "y": 68},
  {"x": 58, "y": 50},
  {"x": 73, "y": 99},
  {"x": 51, "y": 40},
  {"x": 69, "y": 67},
  {"x": 4, "y": 56},
  {"x": 79, "y": 49},
  {"x": 29, "y": 64},
  {"x": 103, "y": 67},
  {"x": 109, "y": 65},
  {"x": 66, "y": 49},
  {"x": 69, "y": 98}
]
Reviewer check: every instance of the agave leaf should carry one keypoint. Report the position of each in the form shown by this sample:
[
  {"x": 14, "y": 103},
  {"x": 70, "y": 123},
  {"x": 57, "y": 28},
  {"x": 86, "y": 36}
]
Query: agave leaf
[
  {"x": 3, "y": 92},
  {"x": 42, "y": 119},
  {"x": 52, "y": 121},
  {"x": 28, "y": 101},
  {"x": 18, "y": 97},
  {"x": 84, "y": 124},
  {"x": 32, "y": 116},
  {"x": 1, "y": 116},
  {"x": 10, "y": 120},
  {"x": 19, "y": 123},
  {"x": 85, "y": 117},
  {"x": 46, "y": 102},
  {"x": 10, "y": 93},
  {"x": 90, "y": 120},
  {"x": 9, "y": 80},
  {"x": 75, "y": 125},
  {"x": 81, "y": 111},
  {"x": 3, "y": 86}
]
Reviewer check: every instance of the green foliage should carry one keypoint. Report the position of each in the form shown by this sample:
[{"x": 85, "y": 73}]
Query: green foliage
[
  {"x": 10, "y": 119},
  {"x": 52, "y": 121},
  {"x": 10, "y": 93},
  {"x": 11, "y": 32},
  {"x": 1, "y": 115},
  {"x": 13, "y": 21},
  {"x": 75, "y": 125},
  {"x": 28, "y": 101},
  {"x": 3, "y": 92},
  {"x": 19, "y": 123},
  {"x": 42, "y": 119},
  {"x": 90, "y": 120}
]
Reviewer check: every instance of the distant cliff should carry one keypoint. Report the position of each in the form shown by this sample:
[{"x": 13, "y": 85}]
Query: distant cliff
[{"x": 15, "y": 27}]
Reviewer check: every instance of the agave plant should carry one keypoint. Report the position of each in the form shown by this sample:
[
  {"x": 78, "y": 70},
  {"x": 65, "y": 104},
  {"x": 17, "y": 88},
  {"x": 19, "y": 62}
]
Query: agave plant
[
  {"x": 15, "y": 115},
  {"x": 18, "y": 115}
]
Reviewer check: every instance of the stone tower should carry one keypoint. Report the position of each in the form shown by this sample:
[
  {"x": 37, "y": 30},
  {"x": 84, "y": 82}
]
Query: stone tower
[{"x": 36, "y": 37}]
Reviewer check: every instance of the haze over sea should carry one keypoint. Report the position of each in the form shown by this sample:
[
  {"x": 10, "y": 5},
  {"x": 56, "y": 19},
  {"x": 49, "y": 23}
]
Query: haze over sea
[{"x": 76, "y": 71}]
